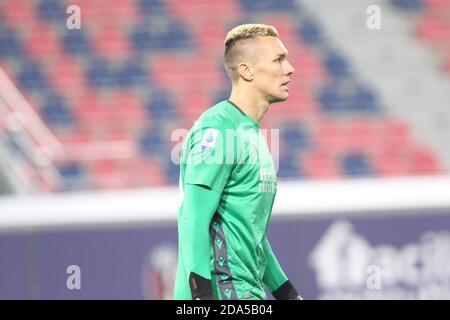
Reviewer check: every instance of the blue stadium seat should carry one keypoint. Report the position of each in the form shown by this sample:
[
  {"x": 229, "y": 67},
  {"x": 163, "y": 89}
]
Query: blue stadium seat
[
  {"x": 31, "y": 77},
  {"x": 73, "y": 177},
  {"x": 76, "y": 42},
  {"x": 172, "y": 172},
  {"x": 364, "y": 100},
  {"x": 309, "y": 31},
  {"x": 151, "y": 143},
  {"x": 295, "y": 137},
  {"x": 9, "y": 44},
  {"x": 348, "y": 97},
  {"x": 410, "y": 5},
  {"x": 153, "y": 7},
  {"x": 330, "y": 100},
  {"x": 268, "y": 5},
  {"x": 336, "y": 65},
  {"x": 52, "y": 11},
  {"x": 132, "y": 74},
  {"x": 142, "y": 39},
  {"x": 288, "y": 166},
  {"x": 355, "y": 164},
  {"x": 177, "y": 37},
  {"x": 100, "y": 75},
  {"x": 160, "y": 105},
  {"x": 56, "y": 112},
  {"x": 174, "y": 37}
]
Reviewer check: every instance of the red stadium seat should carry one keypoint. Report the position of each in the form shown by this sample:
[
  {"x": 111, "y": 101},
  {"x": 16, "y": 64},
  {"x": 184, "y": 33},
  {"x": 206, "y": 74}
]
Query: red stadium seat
[
  {"x": 167, "y": 70},
  {"x": 438, "y": 4},
  {"x": 42, "y": 44},
  {"x": 330, "y": 136},
  {"x": 423, "y": 162},
  {"x": 66, "y": 76},
  {"x": 110, "y": 43},
  {"x": 192, "y": 103},
  {"x": 126, "y": 107},
  {"x": 209, "y": 37},
  {"x": 120, "y": 12},
  {"x": 92, "y": 113},
  {"x": 320, "y": 164},
  {"x": 362, "y": 135},
  {"x": 194, "y": 11},
  {"x": 18, "y": 14},
  {"x": 144, "y": 173},
  {"x": 308, "y": 68},
  {"x": 434, "y": 30},
  {"x": 388, "y": 164}
]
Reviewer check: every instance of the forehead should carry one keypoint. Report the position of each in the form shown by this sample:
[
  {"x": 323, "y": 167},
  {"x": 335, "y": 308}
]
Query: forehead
[{"x": 272, "y": 45}]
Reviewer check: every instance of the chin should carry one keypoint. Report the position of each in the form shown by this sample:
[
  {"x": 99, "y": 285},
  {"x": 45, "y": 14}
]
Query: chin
[{"x": 280, "y": 98}]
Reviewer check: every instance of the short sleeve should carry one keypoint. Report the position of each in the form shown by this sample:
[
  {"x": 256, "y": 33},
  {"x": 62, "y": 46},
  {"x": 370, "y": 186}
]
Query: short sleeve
[{"x": 210, "y": 156}]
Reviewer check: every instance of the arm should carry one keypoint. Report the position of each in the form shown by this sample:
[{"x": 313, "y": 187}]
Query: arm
[
  {"x": 275, "y": 279},
  {"x": 205, "y": 177},
  {"x": 199, "y": 206}
]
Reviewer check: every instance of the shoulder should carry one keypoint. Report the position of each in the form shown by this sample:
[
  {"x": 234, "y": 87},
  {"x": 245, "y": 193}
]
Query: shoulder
[{"x": 217, "y": 117}]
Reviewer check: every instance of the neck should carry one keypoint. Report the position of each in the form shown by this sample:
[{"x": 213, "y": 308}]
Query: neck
[{"x": 251, "y": 104}]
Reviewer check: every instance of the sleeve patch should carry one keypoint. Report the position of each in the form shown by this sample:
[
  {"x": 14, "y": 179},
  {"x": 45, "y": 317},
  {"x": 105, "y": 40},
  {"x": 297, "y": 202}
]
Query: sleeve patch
[{"x": 209, "y": 139}]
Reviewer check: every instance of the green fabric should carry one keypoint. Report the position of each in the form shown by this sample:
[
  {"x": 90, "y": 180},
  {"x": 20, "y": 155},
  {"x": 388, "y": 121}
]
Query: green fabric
[
  {"x": 193, "y": 229},
  {"x": 274, "y": 276},
  {"x": 226, "y": 152}
]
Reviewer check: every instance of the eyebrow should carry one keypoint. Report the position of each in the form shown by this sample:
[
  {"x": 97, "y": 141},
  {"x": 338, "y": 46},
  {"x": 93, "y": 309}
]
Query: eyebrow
[{"x": 281, "y": 55}]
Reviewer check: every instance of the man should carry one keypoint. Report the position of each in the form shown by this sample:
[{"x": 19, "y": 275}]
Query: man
[{"x": 228, "y": 180}]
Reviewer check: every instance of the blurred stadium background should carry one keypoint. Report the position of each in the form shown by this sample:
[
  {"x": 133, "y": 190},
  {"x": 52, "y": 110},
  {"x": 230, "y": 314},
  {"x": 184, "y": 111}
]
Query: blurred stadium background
[{"x": 87, "y": 118}]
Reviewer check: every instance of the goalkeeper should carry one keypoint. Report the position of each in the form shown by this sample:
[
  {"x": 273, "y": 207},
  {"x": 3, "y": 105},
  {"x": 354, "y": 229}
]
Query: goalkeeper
[{"x": 228, "y": 180}]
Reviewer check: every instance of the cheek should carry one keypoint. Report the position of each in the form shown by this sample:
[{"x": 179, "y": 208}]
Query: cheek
[{"x": 271, "y": 76}]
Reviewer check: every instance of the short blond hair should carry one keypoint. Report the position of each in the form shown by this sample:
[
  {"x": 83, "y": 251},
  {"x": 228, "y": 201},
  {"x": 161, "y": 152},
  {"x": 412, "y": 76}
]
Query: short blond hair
[{"x": 236, "y": 37}]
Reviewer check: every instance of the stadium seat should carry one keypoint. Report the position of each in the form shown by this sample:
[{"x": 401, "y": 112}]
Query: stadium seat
[
  {"x": 101, "y": 75},
  {"x": 319, "y": 164},
  {"x": 294, "y": 135},
  {"x": 51, "y": 10},
  {"x": 110, "y": 44},
  {"x": 151, "y": 143},
  {"x": 10, "y": 46},
  {"x": 355, "y": 164},
  {"x": 42, "y": 44},
  {"x": 125, "y": 106},
  {"x": 268, "y": 5},
  {"x": 152, "y": 7},
  {"x": 74, "y": 176},
  {"x": 409, "y": 5},
  {"x": 309, "y": 31},
  {"x": 288, "y": 166},
  {"x": 160, "y": 105},
  {"x": 76, "y": 43},
  {"x": 31, "y": 77},
  {"x": 336, "y": 65},
  {"x": 423, "y": 162},
  {"x": 57, "y": 113},
  {"x": 18, "y": 14},
  {"x": 66, "y": 77}
]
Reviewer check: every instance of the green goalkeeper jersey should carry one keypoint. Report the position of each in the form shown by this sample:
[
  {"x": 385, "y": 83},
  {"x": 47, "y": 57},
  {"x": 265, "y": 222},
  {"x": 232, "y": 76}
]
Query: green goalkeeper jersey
[{"x": 226, "y": 152}]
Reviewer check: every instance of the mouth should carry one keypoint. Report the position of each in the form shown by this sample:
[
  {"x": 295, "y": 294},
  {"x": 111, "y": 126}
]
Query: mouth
[{"x": 285, "y": 84}]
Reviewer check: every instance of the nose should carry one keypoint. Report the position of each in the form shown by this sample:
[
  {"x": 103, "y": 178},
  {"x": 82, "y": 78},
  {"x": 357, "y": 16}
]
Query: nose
[{"x": 290, "y": 69}]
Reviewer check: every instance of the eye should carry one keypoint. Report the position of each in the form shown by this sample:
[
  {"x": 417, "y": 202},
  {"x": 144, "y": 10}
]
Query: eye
[{"x": 278, "y": 60}]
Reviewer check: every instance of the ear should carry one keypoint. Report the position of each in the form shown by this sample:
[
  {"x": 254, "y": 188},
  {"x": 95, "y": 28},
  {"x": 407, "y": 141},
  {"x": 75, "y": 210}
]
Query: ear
[{"x": 246, "y": 71}]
